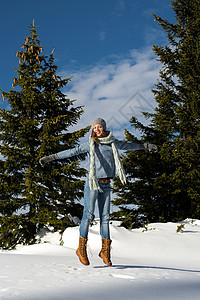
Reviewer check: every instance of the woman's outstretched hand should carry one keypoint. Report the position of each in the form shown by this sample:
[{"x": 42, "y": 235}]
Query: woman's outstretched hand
[
  {"x": 150, "y": 147},
  {"x": 46, "y": 159}
]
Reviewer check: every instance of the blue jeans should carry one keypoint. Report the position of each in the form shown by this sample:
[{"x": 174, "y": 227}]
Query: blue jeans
[{"x": 90, "y": 197}]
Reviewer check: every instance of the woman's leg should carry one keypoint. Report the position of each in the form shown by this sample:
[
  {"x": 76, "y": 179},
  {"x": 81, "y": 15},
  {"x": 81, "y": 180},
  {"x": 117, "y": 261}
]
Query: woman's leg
[
  {"x": 90, "y": 197},
  {"x": 104, "y": 210}
]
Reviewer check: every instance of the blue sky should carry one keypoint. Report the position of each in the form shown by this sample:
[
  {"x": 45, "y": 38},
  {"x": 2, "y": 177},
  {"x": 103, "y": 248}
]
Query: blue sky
[{"x": 105, "y": 45}]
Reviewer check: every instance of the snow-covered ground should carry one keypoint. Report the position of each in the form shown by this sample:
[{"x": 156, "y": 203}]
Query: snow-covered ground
[{"x": 152, "y": 264}]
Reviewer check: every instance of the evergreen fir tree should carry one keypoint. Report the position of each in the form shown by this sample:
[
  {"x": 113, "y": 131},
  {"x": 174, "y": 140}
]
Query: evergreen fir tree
[
  {"x": 37, "y": 124},
  {"x": 168, "y": 182}
]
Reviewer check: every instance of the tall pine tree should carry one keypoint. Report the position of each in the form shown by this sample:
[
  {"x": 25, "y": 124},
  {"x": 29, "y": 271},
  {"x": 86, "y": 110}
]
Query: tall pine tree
[
  {"x": 167, "y": 185},
  {"x": 37, "y": 124}
]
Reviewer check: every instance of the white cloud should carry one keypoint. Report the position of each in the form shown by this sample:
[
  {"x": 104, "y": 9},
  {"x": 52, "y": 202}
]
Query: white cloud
[{"x": 116, "y": 91}]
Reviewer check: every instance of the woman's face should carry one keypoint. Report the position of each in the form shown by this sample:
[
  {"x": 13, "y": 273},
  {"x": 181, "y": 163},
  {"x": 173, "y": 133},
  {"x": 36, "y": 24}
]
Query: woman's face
[{"x": 98, "y": 129}]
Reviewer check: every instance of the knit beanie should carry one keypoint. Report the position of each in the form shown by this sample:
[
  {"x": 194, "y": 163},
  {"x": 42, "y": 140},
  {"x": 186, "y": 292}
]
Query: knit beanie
[{"x": 100, "y": 122}]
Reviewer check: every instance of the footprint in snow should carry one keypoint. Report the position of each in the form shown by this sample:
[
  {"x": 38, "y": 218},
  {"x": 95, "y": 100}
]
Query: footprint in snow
[{"x": 73, "y": 269}]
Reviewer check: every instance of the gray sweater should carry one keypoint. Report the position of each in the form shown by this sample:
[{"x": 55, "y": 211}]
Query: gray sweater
[{"x": 104, "y": 158}]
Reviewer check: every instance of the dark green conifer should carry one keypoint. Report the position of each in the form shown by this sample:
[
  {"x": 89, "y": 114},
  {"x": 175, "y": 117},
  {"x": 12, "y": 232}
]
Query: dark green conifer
[
  {"x": 168, "y": 183},
  {"x": 37, "y": 124}
]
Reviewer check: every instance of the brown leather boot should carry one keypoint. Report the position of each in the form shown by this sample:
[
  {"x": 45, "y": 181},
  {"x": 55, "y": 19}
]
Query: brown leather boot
[
  {"x": 82, "y": 252},
  {"x": 105, "y": 252}
]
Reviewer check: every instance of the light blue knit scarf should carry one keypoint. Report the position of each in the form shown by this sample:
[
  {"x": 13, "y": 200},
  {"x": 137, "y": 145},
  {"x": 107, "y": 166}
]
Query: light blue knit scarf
[{"x": 93, "y": 182}]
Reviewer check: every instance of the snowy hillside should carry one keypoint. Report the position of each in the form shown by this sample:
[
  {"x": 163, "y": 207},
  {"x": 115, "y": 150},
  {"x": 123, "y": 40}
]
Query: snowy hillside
[{"x": 153, "y": 264}]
